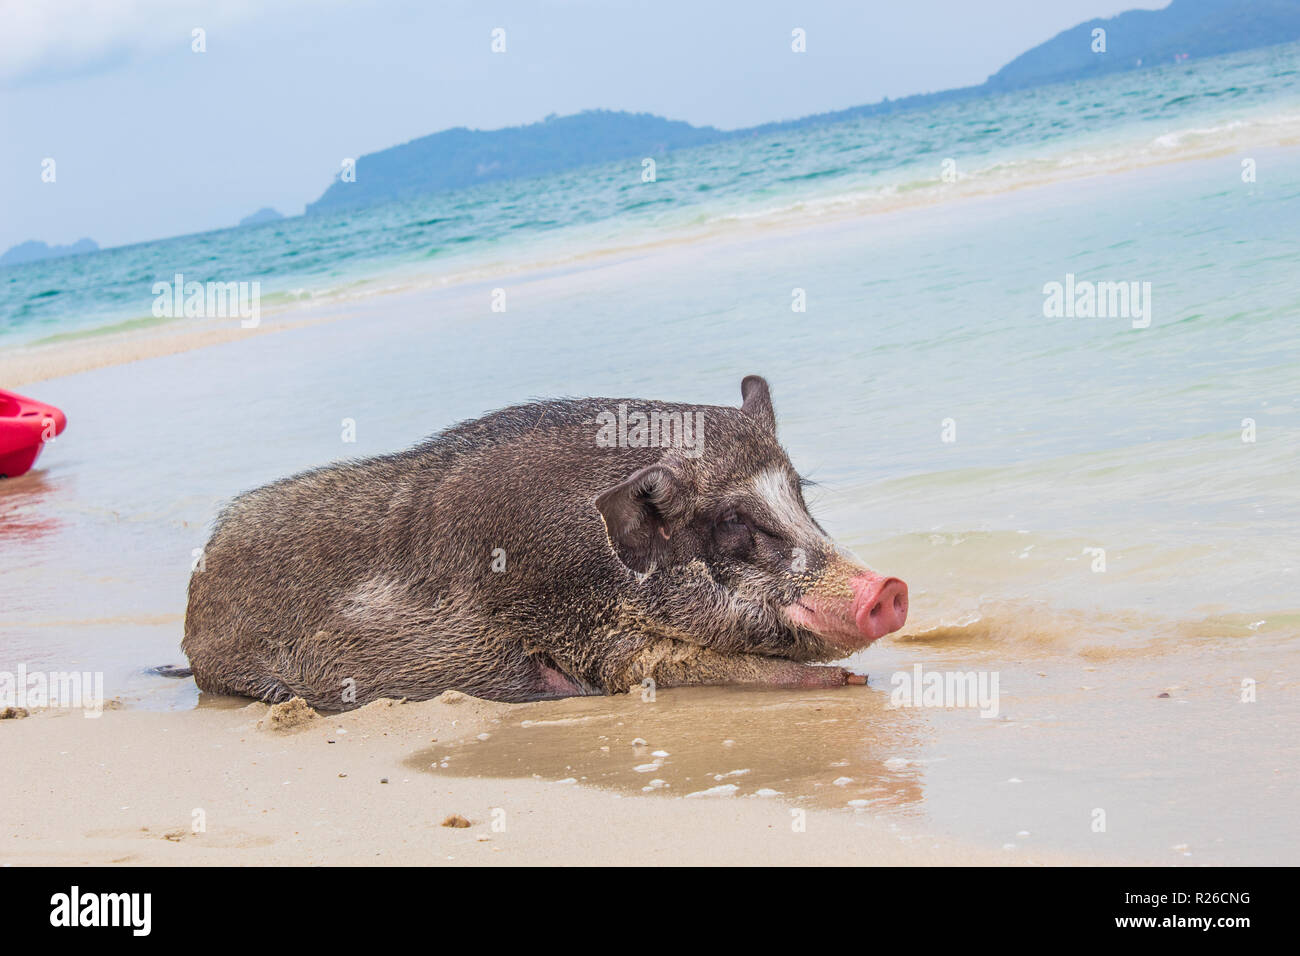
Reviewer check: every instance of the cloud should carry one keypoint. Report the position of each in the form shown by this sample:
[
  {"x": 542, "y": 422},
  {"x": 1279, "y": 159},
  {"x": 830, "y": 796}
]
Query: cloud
[{"x": 49, "y": 40}]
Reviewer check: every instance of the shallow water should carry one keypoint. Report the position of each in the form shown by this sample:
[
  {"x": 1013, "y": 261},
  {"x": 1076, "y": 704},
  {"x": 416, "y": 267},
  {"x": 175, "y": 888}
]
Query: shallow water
[
  {"x": 1071, "y": 434},
  {"x": 1198, "y": 593}
]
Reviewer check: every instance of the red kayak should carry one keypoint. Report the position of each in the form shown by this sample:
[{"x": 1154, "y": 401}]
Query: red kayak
[{"x": 25, "y": 426}]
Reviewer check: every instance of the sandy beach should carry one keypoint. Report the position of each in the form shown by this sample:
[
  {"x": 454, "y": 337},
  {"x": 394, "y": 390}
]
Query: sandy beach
[
  {"x": 127, "y": 789},
  {"x": 698, "y": 776}
]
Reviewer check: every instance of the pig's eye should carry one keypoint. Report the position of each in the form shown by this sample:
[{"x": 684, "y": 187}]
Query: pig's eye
[
  {"x": 737, "y": 522},
  {"x": 732, "y": 531}
]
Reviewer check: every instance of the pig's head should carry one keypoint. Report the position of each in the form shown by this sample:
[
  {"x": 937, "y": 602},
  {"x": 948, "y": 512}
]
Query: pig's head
[{"x": 730, "y": 531}]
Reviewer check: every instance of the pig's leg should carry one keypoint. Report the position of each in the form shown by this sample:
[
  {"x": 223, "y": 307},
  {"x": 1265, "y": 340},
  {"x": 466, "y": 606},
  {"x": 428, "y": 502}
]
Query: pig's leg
[
  {"x": 551, "y": 683},
  {"x": 711, "y": 668},
  {"x": 677, "y": 664}
]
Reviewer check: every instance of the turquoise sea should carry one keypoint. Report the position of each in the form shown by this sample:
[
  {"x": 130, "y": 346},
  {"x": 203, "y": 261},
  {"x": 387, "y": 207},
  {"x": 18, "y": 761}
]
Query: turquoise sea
[{"x": 996, "y": 143}]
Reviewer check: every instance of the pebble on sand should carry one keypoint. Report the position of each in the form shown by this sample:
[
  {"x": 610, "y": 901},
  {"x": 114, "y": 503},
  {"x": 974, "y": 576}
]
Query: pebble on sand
[{"x": 456, "y": 820}]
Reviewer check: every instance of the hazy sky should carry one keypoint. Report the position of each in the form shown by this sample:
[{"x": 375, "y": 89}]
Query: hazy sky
[{"x": 151, "y": 139}]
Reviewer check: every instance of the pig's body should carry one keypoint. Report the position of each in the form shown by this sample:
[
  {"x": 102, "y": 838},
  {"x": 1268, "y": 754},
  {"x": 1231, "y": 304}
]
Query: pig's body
[{"x": 513, "y": 558}]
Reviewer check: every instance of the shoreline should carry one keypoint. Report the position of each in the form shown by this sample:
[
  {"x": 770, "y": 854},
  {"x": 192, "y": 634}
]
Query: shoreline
[
  {"x": 95, "y": 348},
  {"x": 129, "y": 788}
]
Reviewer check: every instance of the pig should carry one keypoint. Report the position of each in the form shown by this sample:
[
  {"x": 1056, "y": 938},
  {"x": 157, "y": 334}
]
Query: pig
[{"x": 550, "y": 549}]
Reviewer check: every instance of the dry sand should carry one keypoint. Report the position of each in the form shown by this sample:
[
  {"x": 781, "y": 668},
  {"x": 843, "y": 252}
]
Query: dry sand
[
  {"x": 127, "y": 787},
  {"x": 36, "y": 363}
]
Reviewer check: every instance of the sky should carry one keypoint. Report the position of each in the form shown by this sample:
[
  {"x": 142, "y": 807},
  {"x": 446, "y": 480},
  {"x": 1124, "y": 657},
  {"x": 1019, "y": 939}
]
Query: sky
[{"x": 151, "y": 139}]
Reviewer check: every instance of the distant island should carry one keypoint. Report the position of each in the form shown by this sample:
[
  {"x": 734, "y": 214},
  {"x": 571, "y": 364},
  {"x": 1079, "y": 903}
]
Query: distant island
[
  {"x": 32, "y": 250},
  {"x": 265, "y": 214},
  {"x": 1143, "y": 38},
  {"x": 460, "y": 157}
]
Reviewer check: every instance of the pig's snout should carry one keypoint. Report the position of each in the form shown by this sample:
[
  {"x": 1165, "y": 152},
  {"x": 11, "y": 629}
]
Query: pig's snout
[
  {"x": 873, "y": 607},
  {"x": 879, "y": 605}
]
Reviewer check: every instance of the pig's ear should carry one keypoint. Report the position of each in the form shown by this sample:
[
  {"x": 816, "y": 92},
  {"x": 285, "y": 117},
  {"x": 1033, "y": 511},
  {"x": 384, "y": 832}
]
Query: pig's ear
[
  {"x": 756, "y": 401},
  {"x": 638, "y": 514}
]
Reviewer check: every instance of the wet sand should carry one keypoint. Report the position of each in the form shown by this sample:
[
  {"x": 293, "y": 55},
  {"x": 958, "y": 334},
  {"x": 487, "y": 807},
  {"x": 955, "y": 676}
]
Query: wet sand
[
  {"x": 132, "y": 787},
  {"x": 1100, "y": 763},
  {"x": 1161, "y": 749}
]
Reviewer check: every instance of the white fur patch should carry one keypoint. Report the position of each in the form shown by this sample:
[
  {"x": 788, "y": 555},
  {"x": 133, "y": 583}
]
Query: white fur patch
[{"x": 772, "y": 487}]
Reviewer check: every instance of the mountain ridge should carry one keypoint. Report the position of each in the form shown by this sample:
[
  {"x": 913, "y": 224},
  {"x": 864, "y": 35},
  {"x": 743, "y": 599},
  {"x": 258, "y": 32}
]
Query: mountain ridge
[{"x": 33, "y": 250}]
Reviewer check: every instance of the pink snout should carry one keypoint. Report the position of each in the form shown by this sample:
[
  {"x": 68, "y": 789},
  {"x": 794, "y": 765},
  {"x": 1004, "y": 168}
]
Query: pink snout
[
  {"x": 879, "y": 604},
  {"x": 874, "y": 607}
]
